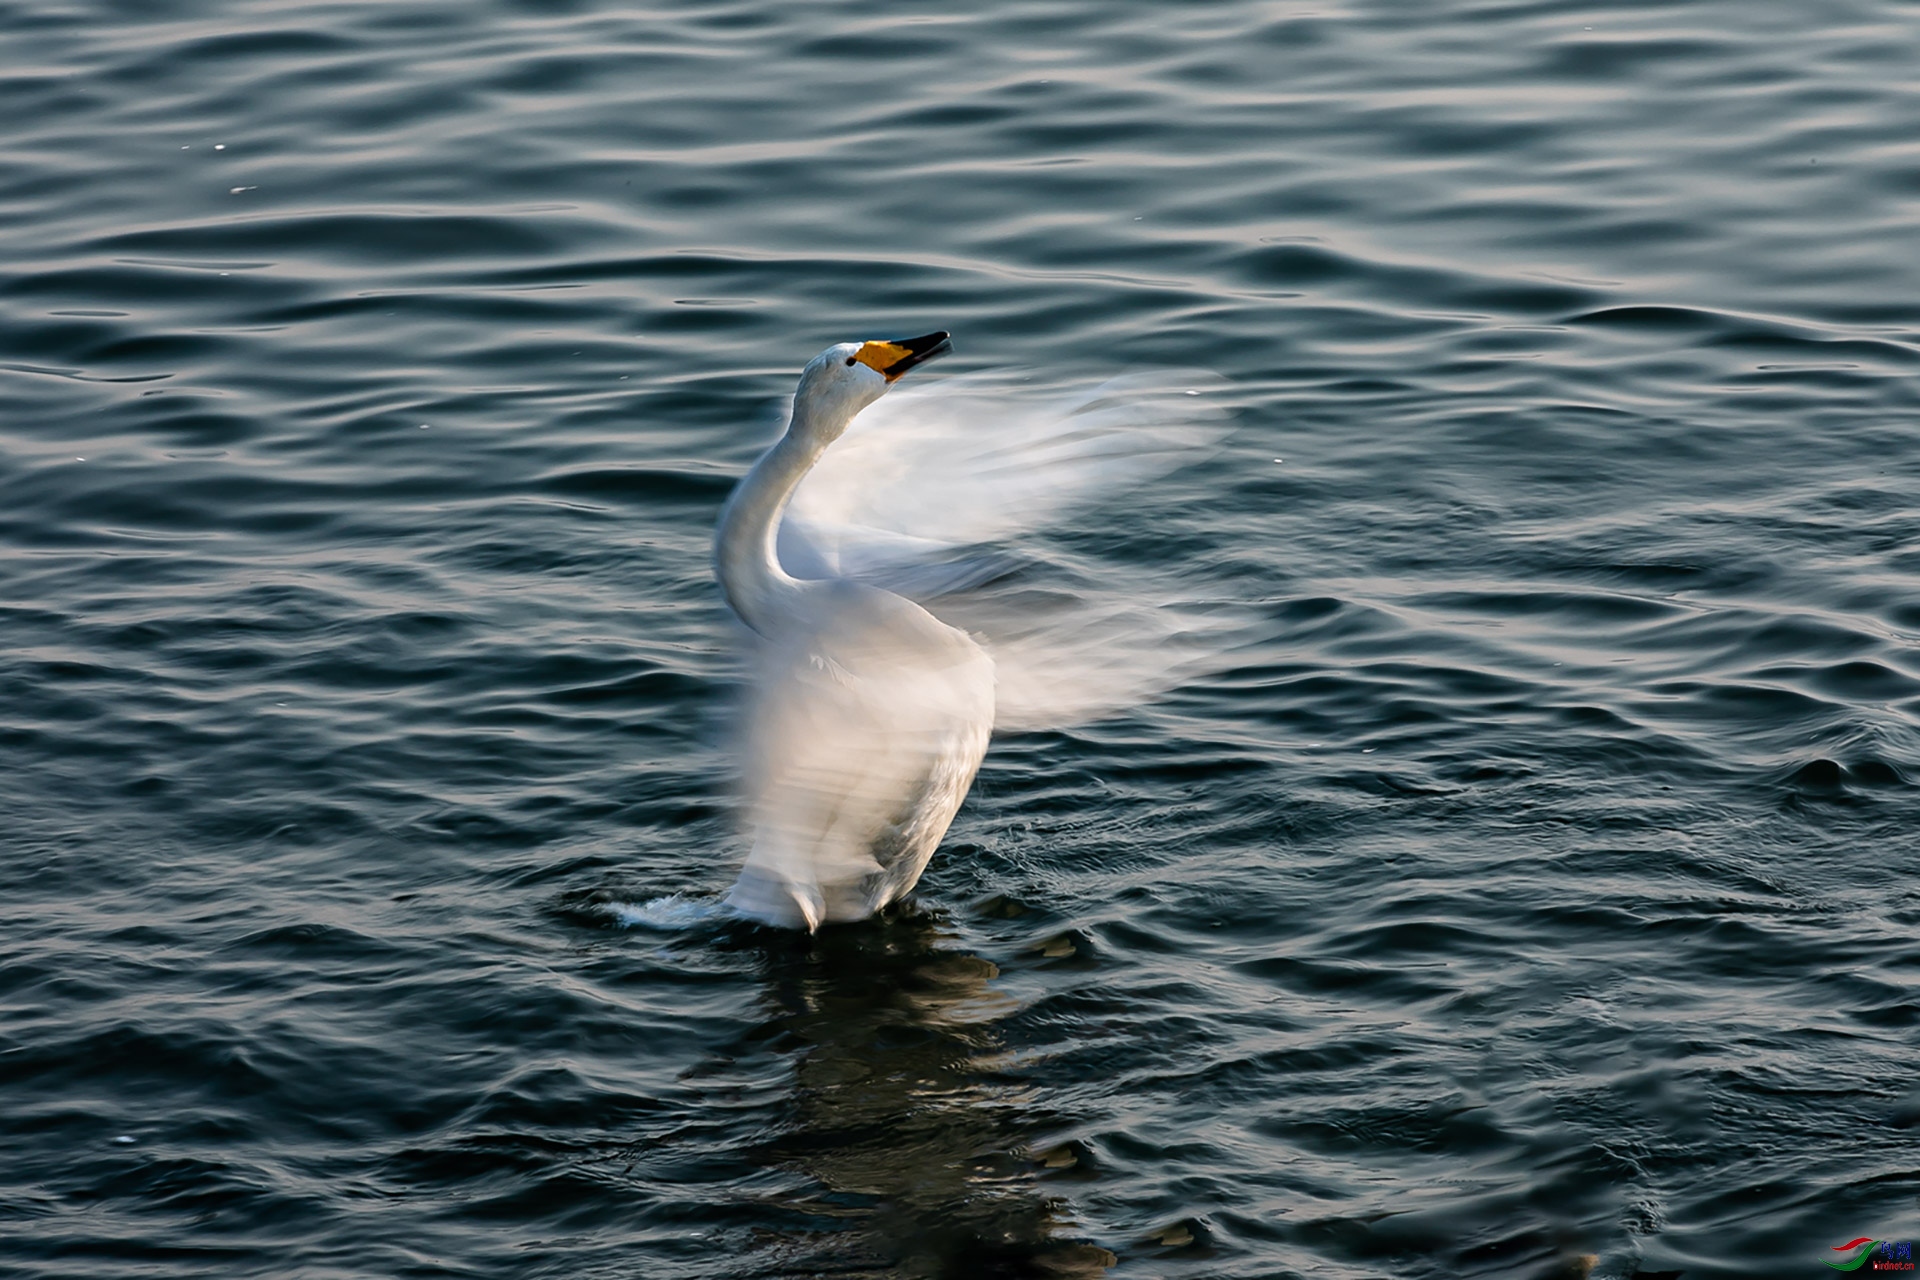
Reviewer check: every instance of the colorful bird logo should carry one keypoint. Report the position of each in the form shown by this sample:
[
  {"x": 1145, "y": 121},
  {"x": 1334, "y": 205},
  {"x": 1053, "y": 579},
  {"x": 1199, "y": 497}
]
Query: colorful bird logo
[{"x": 1866, "y": 1247}]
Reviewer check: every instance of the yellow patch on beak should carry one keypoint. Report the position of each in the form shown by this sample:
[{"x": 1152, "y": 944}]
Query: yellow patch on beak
[{"x": 882, "y": 356}]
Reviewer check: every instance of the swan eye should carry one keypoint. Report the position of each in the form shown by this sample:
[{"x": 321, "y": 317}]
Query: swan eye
[{"x": 849, "y": 362}]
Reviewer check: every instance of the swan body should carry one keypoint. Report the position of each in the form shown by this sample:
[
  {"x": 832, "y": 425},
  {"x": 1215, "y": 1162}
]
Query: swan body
[
  {"x": 867, "y": 716},
  {"x": 864, "y": 733}
]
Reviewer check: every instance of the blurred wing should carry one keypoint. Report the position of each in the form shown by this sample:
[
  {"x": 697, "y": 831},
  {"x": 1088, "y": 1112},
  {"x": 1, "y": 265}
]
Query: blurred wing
[
  {"x": 930, "y": 470},
  {"x": 1072, "y": 641}
]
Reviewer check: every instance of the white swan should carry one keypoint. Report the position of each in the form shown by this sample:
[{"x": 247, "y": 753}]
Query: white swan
[{"x": 867, "y": 716}]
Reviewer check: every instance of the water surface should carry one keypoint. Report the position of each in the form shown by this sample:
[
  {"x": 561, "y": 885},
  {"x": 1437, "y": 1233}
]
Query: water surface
[{"x": 1533, "y": 895}]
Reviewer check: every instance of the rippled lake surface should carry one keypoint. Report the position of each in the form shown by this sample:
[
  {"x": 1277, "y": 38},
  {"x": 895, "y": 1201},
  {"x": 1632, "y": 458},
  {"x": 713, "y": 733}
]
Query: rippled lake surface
[{"x": 1531, "y": 896}]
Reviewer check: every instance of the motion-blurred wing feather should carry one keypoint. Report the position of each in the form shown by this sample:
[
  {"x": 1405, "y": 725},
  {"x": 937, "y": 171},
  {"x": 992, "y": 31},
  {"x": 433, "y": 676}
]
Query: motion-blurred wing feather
[{"x": 930, "y": 470}]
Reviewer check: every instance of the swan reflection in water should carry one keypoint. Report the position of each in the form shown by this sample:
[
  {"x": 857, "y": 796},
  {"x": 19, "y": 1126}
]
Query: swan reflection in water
[{"x": 914, "y": 1145}]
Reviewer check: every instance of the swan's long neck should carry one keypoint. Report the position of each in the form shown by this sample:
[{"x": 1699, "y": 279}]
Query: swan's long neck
[{"x": 745, "y": 554}]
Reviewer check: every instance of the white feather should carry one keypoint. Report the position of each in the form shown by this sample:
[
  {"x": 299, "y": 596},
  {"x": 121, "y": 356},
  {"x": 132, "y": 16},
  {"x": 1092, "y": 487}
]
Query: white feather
[
  {"x": 928, "y": 486},
  {"x": 863, "y": 728},
  {"x": 976, "y": 459}
]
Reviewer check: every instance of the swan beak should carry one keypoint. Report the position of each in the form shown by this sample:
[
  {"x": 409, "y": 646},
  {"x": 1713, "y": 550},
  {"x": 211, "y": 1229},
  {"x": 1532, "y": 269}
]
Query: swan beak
[{"x": 891, "y": 359}]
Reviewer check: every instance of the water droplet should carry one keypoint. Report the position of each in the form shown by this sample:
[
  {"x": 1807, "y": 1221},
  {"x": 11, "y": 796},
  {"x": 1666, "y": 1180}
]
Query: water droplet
[
  {"x": 234, "y": 191},
  {"x": 219, "y": 146},
  {"x": 125, "y": 1140}
]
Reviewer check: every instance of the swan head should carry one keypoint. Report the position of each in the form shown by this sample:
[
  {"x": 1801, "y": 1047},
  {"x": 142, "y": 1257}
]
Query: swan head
[{"x": 849, "y": 376}]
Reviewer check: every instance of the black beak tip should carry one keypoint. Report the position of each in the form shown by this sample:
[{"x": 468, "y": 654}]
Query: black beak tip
[{"x": 922, "y": 349}]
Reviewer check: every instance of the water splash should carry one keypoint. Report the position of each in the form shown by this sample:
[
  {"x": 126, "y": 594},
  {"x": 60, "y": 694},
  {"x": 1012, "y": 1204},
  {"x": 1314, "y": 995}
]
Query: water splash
[{"x": 672, "y": 913}]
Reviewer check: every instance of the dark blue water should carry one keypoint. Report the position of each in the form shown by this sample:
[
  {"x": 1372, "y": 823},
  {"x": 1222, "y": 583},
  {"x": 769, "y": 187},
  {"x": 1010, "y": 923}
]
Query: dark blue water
[{"x": 1534, "y": 898}]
